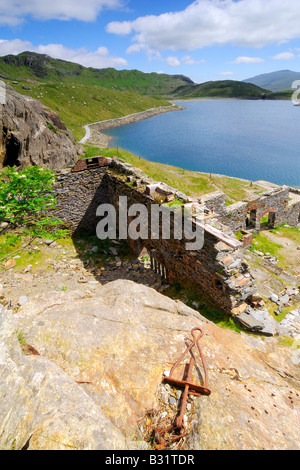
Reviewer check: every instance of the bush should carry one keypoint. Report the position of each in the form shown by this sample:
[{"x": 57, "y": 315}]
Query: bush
[{"x": 26, "y": 199}]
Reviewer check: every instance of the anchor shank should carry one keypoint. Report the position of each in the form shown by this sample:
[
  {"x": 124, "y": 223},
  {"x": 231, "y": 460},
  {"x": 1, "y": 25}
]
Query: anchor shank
[{"x": 179, "y": 421}]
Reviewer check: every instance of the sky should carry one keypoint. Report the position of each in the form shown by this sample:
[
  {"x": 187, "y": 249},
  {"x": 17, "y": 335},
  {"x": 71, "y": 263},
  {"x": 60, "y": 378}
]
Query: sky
[{"x": 204, "y": 40}]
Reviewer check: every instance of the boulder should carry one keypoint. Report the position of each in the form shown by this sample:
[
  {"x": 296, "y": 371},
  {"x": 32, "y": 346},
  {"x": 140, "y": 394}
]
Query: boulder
[
  {"x": 42, "y": 407},
  {"x": 100, "y": 366},
  {"x": 31, "y": 134},
  {"x": 249, "y": 322}
]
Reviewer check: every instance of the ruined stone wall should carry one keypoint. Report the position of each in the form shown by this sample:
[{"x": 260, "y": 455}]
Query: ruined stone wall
[
  {"x": 276, "y": 204},
  {"x": 79, "y": 195},
  {"x": 215, "y": 202},
  {"x": 291, "y": 214},
  {"x": 218, "y": 270}
]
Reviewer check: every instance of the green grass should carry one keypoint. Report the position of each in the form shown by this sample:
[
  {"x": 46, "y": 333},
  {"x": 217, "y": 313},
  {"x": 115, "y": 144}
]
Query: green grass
[
  {"x": 80, "y": 104},
  {"x": 9, "y": 243},
  {"x": 189, "y": 182},
  {"x": 284, "y": 95},
  {"x": 239, "y": 235},
  {"x": 175, "y": 203},
  {"x": 263, "y": 244},
  {"x": 293, "y": 233},
  {"x": 43, "y": 68},
  {"x": 223, "y": 89},
  {"x": 235, "y": 189},
  {"x": 29, "y": 251},
  {"x": 21, "y": 337},
  {"x": 38, "y": 255},
  {"x": 289, "y": 342}
]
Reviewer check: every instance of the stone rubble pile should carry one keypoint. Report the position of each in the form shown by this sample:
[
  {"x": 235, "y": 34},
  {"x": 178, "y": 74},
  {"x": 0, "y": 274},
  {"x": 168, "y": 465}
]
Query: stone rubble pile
[
  {"x": 267, "y": 256},
  {"x": 290, "y": 325},
  {"x": 256, "y": 317},
  {"x": 284, "y": 297}
]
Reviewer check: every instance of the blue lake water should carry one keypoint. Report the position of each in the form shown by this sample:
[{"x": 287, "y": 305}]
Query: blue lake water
[
  {"x": 255, "y": 140},
  {"x": 247, "y": 139}
]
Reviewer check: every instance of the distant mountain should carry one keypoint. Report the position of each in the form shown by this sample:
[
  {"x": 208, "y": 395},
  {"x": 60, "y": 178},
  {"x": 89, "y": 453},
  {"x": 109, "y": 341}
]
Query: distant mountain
[
  {"x": 223, "y": 89},
  {"x": 275, "y": 81}
]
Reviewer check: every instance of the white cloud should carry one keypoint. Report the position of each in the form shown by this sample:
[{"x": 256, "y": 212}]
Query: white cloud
[
  {"x": 15, "y": 11},
  {"x": 246, "y": 23},
  {"x": 119, "y": 27},
  {"x": 172, "y": 61},
  {"x": 134, "y": 49},
  {"x": 226, "y": 74},
  {"x": 14, "y": 46},
  {"x": 99, "y": 58},
  {"x": 247, "y": 60},
  {"x": 284, "y": 56},
  {"x": 188, "y": 60},
  {"x": 152, "y": 54}
]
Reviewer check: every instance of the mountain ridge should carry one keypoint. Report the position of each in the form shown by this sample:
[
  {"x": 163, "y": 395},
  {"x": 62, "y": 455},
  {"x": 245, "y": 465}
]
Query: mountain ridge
[
  {"x": 42, "y": 66},
  {"x": 223, "y": 89},
  {"x": 277, "y": 81}
]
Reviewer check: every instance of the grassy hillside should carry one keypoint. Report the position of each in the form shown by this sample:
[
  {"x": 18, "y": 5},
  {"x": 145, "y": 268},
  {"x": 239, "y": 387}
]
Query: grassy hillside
[
  {"x": 82, "y": 95},
  {"x": 41, "y": 68},
  {"x": 79, "y": 104},
  {"x": 192, "y": 183},
  {"x": 222, "y": 89}
]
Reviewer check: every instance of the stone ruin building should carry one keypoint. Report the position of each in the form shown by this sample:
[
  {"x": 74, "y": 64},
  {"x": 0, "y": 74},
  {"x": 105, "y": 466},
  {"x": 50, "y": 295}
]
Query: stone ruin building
[{"x": 218, "y": 271}]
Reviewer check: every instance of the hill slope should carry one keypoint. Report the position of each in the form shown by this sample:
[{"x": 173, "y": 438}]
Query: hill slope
[
  {"x": 82, "y": 95},
  {"x": 275, "y": 81},
  {"x": 41, "y": 67},
  {"x": 222, "y": 89}
]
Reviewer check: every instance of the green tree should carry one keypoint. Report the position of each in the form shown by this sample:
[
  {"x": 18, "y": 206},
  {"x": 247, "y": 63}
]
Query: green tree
[{"x": 26, "y": 199}]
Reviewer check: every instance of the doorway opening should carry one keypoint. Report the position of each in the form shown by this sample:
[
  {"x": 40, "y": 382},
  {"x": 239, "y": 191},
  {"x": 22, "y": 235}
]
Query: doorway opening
[{"x": 13, "y": 151}]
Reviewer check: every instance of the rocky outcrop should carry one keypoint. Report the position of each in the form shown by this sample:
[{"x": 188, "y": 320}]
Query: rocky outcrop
[
  {"x": 92, "y": 368},
  {"x": 42, "y": 407},
  {"x": 31, "y": 134}
]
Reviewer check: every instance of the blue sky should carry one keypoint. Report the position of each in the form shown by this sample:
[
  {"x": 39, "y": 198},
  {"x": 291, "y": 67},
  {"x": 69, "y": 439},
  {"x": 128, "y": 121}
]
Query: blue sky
[{"x": 204, "y": 39}]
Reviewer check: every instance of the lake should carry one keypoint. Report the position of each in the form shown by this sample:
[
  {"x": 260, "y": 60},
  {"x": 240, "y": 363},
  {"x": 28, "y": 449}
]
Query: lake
[{"x": 255, "y": 140}]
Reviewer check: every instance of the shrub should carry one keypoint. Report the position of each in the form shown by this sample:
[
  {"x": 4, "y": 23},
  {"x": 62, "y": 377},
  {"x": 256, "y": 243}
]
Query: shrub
[{"x": 26, "y": 199}]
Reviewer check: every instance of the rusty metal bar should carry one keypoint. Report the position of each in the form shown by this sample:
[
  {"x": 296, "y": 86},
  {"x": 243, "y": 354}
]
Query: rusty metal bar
[{"x": 189, "y": 388}]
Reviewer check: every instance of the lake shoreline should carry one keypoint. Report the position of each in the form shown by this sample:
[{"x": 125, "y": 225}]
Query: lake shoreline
[
  {"x": 237, "y": 138},
  {"x": 94, "y": 134}
]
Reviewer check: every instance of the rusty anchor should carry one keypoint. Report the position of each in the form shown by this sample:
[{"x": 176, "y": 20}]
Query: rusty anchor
[{"x": 188, "y": 387}]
